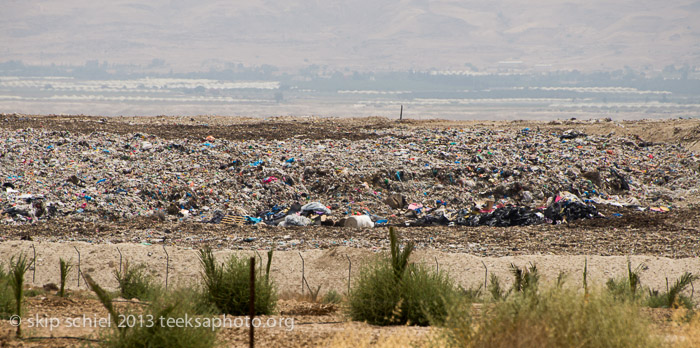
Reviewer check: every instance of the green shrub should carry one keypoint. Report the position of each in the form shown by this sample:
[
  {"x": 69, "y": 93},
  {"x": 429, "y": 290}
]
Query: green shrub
[
  {"x": 162, "y": 334},
  {"x": 620, "y": 289},
  {"x": 561, "y": 279},
  {"x": 227, "y": 285},
  {"x": 524, "y": 279},
  {"x": 673, "y": 297},
  {"x": 498, "y": 293},
  {"x": 151, "y": 328},
  {"x": 196, "y": 296},
  {"x": 399, "y": 258},
  {"x": 375, "y": 296},
  {"x": 425, "y": 295},
  {"x": 136, "y": 282},
  {"x": 390, "y": 291},
  {"x": 627, "y": 288},
  {"x": 552, "y": 318}
]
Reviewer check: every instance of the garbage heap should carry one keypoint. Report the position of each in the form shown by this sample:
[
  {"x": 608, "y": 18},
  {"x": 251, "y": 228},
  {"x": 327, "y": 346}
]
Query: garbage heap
[{"x": 110, "y": 177}]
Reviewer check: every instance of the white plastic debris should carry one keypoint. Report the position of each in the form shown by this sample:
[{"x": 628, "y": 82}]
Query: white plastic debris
[{"x": 359, "y": 221}]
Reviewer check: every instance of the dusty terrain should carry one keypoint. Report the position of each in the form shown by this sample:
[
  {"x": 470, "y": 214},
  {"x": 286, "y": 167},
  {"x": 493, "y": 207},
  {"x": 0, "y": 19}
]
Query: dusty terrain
[
  {"x": 666, "y": 242},
  {"x": 674, "y": 131}
]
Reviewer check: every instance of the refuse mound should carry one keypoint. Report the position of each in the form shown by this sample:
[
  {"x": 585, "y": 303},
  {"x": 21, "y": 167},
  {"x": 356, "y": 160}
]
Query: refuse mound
[{"x": 357, "y": 176}]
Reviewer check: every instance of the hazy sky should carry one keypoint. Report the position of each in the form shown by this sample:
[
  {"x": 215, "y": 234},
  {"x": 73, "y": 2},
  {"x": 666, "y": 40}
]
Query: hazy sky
[{"x": 364, "y": 34}]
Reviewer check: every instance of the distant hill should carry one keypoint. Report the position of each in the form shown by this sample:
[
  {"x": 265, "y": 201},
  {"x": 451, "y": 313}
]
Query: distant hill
[{"x": 357, "y": 34}]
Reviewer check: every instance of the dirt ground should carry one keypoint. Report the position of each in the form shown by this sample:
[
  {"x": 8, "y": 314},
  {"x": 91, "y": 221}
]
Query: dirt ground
[
  {"x": 675, "y": 131},
  {"x": 310, "y": 327},
  {"x": 666, "y": 243}
]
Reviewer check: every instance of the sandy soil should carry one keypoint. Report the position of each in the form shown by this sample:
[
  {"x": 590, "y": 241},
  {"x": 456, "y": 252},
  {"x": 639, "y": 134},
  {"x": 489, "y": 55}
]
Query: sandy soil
[{"x": 328, "y": 268}]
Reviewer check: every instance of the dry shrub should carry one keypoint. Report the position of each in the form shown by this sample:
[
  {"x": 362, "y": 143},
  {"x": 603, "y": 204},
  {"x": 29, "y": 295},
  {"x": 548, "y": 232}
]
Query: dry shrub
[
  {"x": 688, "y": 334},
  {"x": 552, "y": 318}
]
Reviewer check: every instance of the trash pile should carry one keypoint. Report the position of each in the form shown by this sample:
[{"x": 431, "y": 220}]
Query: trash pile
[
  {"x": 564, "y": 208},
  {"x": 405, "y": 175}
]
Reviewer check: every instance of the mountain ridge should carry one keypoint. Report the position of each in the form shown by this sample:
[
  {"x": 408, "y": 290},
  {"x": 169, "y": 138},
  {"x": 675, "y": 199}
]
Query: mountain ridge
[{"x": 362, "y": 35}]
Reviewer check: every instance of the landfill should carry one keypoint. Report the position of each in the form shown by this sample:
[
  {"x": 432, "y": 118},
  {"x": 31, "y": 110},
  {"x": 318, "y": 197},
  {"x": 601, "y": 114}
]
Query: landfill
[{"x": 407, "y": 176}]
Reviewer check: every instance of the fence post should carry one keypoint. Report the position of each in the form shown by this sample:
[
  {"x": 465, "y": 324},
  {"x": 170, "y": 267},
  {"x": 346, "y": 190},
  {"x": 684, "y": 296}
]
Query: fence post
[
  {"x": 349, "y": 270},
  {"x": 269, "y": 263},
  {"x": 167, "y": 267},
  {"x": 34, "y": 264},
  {"x": 260, "y": 257},
  {"x": 251, "y": 313},
  {"x": 120, "y": 260},
  {"x": 80, "y": 273},
  {"x": 303, "y": 277}
]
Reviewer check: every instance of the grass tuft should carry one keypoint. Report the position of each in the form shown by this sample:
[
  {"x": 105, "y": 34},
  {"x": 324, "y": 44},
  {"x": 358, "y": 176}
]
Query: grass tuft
[
  {"x": 399, "y": 258},
  {"x": 673, "y": 297},
  {"x": 65, "y": 268},
  {"x": 524, "y": 279},
  {"x": 332, "y": 297},
  {"x": 18, "y": 268},
  {"x": 498, "y": 293},
  {"x": 627, "y": 288}
]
